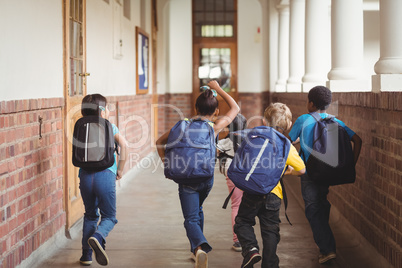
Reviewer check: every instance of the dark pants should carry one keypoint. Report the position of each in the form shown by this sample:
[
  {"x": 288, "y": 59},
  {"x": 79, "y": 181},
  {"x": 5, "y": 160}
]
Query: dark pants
[
  {"x": 266, "y": 208},
  {"x": 317, "y": 209}
]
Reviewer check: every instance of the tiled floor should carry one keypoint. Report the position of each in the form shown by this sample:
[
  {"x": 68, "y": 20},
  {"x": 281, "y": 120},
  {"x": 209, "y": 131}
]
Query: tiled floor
[{"x": 150, "y": 231}]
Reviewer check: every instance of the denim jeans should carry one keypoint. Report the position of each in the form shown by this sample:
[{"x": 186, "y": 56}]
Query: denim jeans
[
  {"x": 98, "y": 191},
  {"x": 192, "y": 196},
  {"x": 266, "y": 208},
  {"x": 317, "y": 209}
]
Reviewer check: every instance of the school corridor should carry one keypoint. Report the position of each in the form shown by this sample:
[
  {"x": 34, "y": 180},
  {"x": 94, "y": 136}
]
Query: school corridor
[
  {"x": 149, "y": 58},
  {"x": 150, "y": 232}
]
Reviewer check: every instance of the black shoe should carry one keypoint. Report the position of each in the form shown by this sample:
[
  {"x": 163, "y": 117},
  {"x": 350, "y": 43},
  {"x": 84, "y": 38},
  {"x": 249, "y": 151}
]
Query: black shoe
[
  {"x": 97, "y": 243},
  {"x": 252, "y": 258},
  {"x": 86, "y": 258}
]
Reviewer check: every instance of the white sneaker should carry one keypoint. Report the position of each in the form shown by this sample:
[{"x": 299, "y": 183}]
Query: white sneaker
[{"x": 201, "y": 259}]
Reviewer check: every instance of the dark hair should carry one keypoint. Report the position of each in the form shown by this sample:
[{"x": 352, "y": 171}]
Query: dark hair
[
  {"x": 238, "y": 123},
  {"x": 90, "y": 104},
  {"x": 206, "y": 103},
  {"x": 320, "y": 96}
]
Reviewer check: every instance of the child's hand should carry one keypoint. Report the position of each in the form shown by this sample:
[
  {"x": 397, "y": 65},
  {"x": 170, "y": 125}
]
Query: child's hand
[
  {"x": 214, "y": 85},
  {"x": 119, "y": 175},
  {"x": 289, "y": 171}
]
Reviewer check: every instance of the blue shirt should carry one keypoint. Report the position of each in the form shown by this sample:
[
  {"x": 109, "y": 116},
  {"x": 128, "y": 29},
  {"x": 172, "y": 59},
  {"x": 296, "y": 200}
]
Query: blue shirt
[
  {"x": 114, "y": 167},
  {"x": 303, "y": 128}
]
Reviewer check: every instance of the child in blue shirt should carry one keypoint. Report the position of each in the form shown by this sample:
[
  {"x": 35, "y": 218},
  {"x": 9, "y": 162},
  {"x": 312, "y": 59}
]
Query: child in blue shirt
[
  {"x": 317, "y": 207},
  {"x": 98, "y": 190}
]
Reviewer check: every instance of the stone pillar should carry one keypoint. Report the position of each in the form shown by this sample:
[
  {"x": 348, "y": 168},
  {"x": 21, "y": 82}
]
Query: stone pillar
[
  {"x": 389, "y": 67},
  {"x": 347, "y": 46},
  {"x": 296, "y": 45},
  {"x": 316, "y": 44},
  {"x": 283, "y": 46}
]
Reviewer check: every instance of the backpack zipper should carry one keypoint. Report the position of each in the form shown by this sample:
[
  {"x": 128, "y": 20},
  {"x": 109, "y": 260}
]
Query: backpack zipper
[{"x": 86, "y": 143}]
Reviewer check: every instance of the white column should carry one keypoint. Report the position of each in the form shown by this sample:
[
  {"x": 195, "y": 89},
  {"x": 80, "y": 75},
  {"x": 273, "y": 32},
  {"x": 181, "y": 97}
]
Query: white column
[
  {"x": 317, "y": 45},
  {"x": 283, "y": 46},
  {"x": 296, "y": 45},
  {"x": 389, "y": 67},
  {"x": 347, "y": 46}
]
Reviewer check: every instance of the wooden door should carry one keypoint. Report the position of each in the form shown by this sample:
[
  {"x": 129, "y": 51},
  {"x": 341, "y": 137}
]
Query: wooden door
[
  {"x": 215, "y": 61},
  {"x": 75, "y": 76}
]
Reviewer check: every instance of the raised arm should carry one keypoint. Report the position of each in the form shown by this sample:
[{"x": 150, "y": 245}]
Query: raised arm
[{"x": 224, "y": 120}]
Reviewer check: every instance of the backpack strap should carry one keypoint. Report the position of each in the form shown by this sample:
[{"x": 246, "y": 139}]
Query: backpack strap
[
  {"x": 316, "y": 116},
  {"x": 225, "y": 204},
  {"x": 285, "y": 197}
]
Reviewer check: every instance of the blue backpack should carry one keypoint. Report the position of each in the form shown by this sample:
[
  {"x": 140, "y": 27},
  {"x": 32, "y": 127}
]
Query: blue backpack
[
  {"x": 190, "y": 152},
  {"x": 259, "y": 161},
  {"x": 331, "y": 161}
]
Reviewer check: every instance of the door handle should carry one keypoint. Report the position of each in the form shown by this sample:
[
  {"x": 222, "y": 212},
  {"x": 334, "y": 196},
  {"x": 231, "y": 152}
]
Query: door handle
[{"x": 84, "y": 74}]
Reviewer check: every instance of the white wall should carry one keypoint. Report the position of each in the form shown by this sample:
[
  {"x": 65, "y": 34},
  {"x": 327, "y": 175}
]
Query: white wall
[
  {"x": 180, "y": 46},
  {"x": 250, "y": 62},
  {"x": 109, "y": 75},
  {"x": 371, "y": 41},
  {"x": 163, "y": 46},
  {"x": 177, "y": 43},
  {"x": 31, "y": 49}
]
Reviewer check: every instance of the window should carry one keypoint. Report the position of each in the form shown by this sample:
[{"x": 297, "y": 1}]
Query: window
[
  {"x": 215, "y": 64},
  {"x": 214, "y": 18}
]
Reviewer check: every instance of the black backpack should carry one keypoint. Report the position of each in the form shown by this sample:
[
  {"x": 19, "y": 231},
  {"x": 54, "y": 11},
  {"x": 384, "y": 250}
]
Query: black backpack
[
  {"x": 93, "y": 143},
  {"x": 331, "y": 161}
]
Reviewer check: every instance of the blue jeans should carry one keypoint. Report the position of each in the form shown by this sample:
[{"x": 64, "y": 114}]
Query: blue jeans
[
  {"x": 98, "y": 191},
  {"x": 317, "y": 209},
  {"x": 266, "y": 208},
  {"x": 192, "y": 196}
]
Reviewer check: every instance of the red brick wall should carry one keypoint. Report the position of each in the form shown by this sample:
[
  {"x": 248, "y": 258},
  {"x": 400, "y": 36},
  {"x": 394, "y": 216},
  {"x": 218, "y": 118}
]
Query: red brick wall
[
  {"x": 134, "y": 123},
  {"x": 31, "y": 169},
  {"x": 31, "y": 176},
  {"x": 172, "y": 108},
  {"x": 373, "y": 204},
  {"x": 252, "y": 106},
  {"x": 177, "y": 105},
  {"x": 161, "y": 115}
]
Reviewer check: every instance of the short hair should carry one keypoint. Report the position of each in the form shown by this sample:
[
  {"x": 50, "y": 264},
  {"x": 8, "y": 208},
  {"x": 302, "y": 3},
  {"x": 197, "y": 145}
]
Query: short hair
[
  {"x": 206, "y": 103},
  {"x": 277, "y": 115},
  {"x": 320, "y": 96},
  {"x": 90, "y": 104}
]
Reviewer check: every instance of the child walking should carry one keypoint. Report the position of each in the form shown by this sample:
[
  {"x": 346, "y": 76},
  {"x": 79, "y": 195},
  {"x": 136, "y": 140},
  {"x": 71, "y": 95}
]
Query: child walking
[
  {"x": 317, "y": 207},
  {"x": 266, "y": 207},
  {"x": 193, "y": 195},
  {"x": 227, "y": 147},
  {"x": 98, "y": 190}
]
